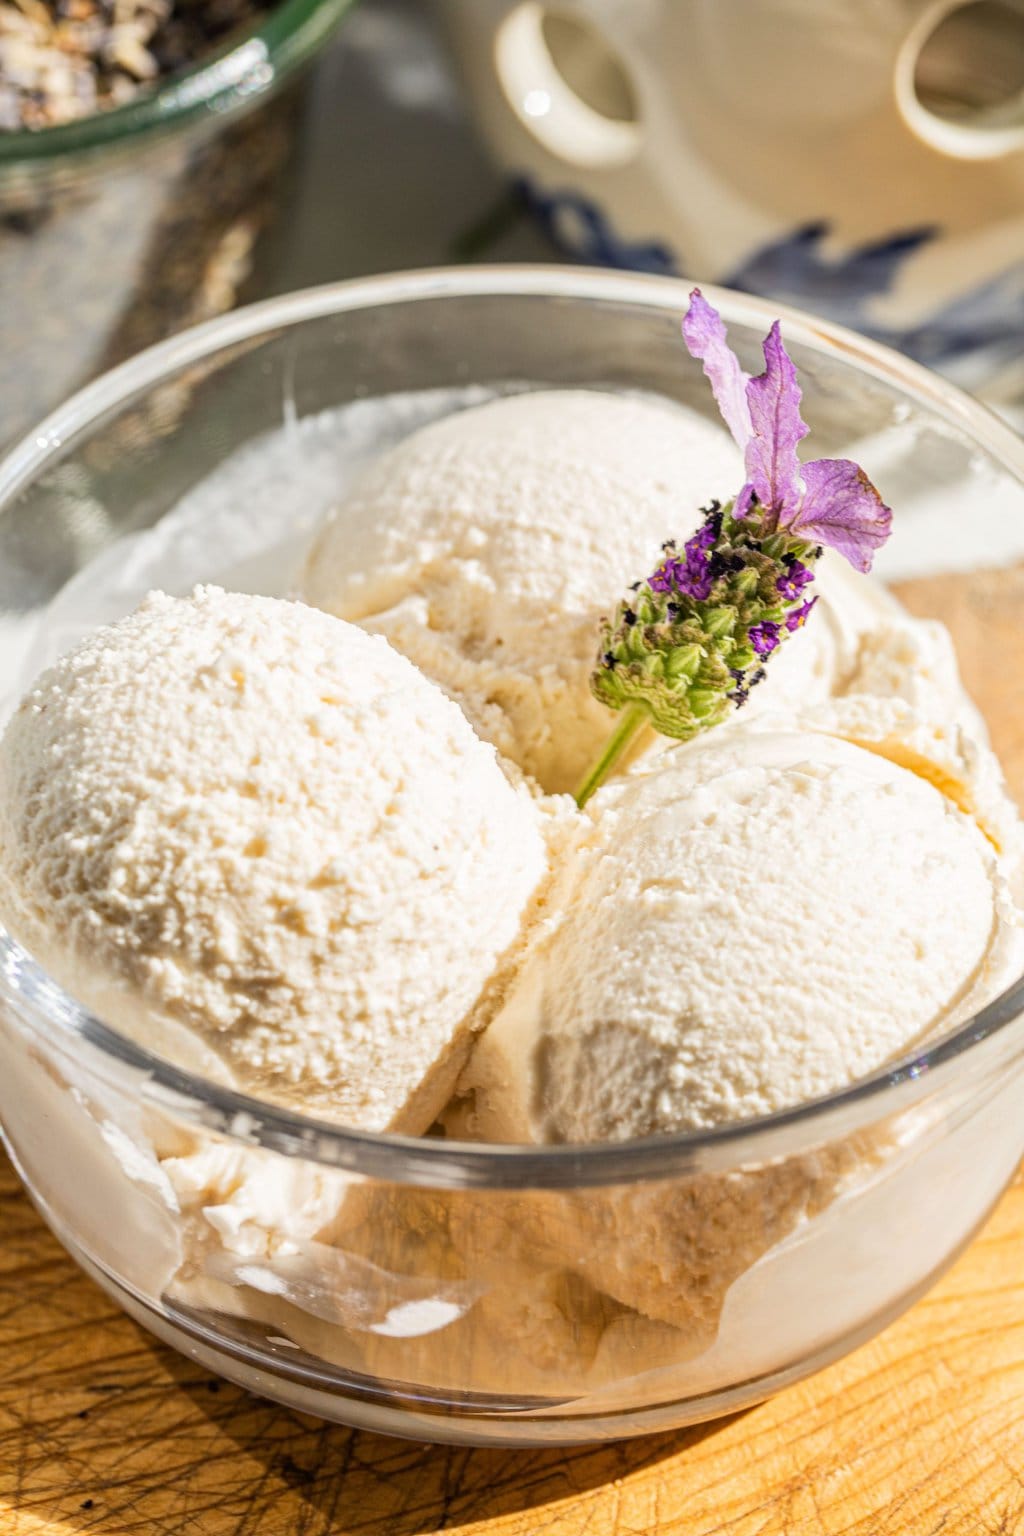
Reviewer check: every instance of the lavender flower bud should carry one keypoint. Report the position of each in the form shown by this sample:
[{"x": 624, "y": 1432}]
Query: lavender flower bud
[{"x": 694, "y": 638}]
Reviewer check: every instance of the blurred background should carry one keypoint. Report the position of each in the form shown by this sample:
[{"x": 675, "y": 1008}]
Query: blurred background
[{"x": 861, "y": 159}]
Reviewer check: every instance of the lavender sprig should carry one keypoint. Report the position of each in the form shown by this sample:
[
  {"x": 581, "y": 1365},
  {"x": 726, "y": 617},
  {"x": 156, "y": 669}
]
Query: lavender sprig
[{"x": 691, "y": 641}]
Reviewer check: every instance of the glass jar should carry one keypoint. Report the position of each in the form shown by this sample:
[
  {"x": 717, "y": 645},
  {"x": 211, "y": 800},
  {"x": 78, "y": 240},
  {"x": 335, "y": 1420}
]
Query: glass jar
[{"x": 120, "y": 228}]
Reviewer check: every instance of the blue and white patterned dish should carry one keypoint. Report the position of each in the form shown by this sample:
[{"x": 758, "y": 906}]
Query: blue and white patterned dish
[{"x": 864, "y": 161}]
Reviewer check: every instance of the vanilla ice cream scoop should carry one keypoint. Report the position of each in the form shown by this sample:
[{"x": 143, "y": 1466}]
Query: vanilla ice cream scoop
[
  {"x": 488, "y": 545},
  {"x": 769, "y": 916},
  {"x": 259, "y": 841},
  {"x": 762, "y": 917}
]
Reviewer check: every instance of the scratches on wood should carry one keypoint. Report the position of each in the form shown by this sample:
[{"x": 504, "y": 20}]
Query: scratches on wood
[{"x": 920, "y": 1433}]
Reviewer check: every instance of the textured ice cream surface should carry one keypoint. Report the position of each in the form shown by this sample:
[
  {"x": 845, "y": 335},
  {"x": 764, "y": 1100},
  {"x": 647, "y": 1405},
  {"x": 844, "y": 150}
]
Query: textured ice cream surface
[
  {"x": 762, "y": 918},
  {"x": 931, "y": 743},
  {"x": 258, "y": 840},
  {"x": 893, "y": 656},
  {"x": 757, "y": 918},
  {"x": 487, "y": 546}
]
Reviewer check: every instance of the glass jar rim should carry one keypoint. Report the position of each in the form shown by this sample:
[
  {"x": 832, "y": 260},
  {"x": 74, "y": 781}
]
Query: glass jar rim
[
  {"x": 452, "y": 1164},
  {"x": 223, "y": 85}
]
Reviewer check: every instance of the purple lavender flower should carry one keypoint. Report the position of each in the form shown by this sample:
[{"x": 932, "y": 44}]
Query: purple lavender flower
[
  {"x": 667, "y": 657},
  {"x": 663, "y": 579},
  {"x": 706, "y": 534},
  {"x": 793, "y": 580},
  {"x": 798, "y": 618},
  {"x": 829, "y": 501},
  {"x": 699, "y": 576},
  {"x": 695, "y": 578},
  {"x": 692, "y": 576},
  {"x": 764, "y": 637}
]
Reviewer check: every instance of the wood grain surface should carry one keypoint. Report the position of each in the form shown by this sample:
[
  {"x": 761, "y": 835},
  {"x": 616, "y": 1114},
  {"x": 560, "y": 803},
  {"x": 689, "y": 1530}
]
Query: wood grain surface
[{"x": 919, "y": 1433}]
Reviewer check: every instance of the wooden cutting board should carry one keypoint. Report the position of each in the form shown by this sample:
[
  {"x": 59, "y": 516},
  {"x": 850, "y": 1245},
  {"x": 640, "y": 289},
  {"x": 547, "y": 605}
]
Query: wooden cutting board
[{"x": 920, "y": 1433}]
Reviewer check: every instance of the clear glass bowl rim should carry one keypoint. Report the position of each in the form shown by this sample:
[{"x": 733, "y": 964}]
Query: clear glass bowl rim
[
  {"x": 444, "y": 1163},
  {"x": 223, "y": 85}
]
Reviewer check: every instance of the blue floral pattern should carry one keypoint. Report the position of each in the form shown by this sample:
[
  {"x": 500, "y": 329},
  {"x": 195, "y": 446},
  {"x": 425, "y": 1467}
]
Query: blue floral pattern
[
  {"x": 988, "y": 318},
  {"x": 579, "y": 226},
  {"x": 795, "y": 270}
]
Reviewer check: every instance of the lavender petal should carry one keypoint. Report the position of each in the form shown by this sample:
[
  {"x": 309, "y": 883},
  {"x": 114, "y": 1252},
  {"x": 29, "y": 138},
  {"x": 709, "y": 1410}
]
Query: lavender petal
[
  {"x": 798, "y": 617},
  {"x": 793, "y": 580},
  {"x": 705, "y": 337},
  {"x": 764, "y": 637},
  {"x": 842, "y": 509},
  {"x": 663, "y": 578},
  {"x": 774, "y": 396},
  {"x": 745, "y": 501}
]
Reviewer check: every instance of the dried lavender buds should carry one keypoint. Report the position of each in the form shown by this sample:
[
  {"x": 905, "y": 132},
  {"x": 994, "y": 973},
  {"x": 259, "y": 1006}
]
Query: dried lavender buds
[{"x": 61, "y": 60}]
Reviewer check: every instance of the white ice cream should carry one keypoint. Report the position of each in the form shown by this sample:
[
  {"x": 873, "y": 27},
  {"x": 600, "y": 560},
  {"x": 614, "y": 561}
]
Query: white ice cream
[
  {"x": 267, "y": 847},
  {"x": 260, "y": 841},
  {"x": 487, "y": 545},
  {"x": 757, "y": 919},
  {"x": 767, "y": 916}
]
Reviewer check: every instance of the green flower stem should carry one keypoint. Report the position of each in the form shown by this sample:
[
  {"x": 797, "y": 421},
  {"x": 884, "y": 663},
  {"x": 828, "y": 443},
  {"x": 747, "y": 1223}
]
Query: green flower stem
[{"x": 631, "y": 720}]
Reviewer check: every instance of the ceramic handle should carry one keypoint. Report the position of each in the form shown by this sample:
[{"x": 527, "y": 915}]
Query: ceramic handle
[
  {"x": 547, "y": 106},
  {"x": 987, "y": 133}
]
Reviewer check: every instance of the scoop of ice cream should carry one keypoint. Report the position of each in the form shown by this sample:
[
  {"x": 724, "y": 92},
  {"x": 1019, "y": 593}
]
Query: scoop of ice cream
[
  {"x": 761, "y": 917},
  {"x": 258, "y": 840},
  {"x": 488, "y": 545},
  {"x": 769, "y": 916}
]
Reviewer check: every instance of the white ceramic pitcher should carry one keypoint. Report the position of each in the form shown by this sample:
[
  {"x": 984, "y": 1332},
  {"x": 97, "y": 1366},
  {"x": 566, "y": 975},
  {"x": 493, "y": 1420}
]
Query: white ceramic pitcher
[{"x": 860, "y": 158}]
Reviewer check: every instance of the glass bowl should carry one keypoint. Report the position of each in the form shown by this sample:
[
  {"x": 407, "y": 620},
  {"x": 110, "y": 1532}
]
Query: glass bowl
[
  {"x": 122, "y": 227},
  {"x": 429, "y": 1288}
]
